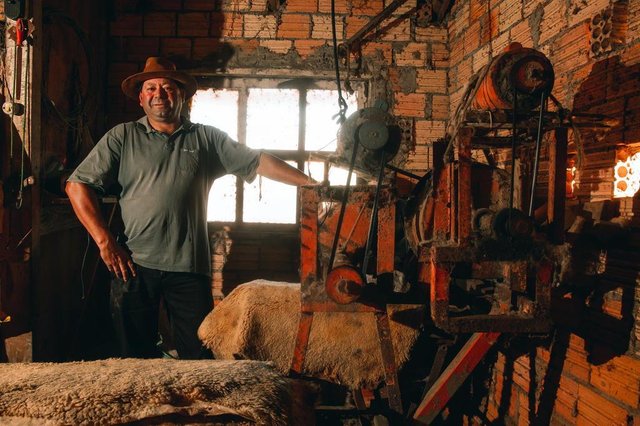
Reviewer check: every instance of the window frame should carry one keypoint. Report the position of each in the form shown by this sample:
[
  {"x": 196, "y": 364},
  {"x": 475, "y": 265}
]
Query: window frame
[{"x": 243, "y": 84}]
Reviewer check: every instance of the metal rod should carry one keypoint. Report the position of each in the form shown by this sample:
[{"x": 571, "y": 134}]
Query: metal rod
[
  {"x": 536, "y": 161},
  {"x": 345, "y": 199},
  {"x": 403, "y": 172},
  {"x": 374, "y": 217},
  {"x": 355, "y": 39},
  {"x": 513, "y": 153}
]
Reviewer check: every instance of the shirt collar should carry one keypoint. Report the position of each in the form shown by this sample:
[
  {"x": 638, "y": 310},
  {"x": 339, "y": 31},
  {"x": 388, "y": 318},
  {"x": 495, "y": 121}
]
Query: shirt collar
[{"x": 144, "y": 121}]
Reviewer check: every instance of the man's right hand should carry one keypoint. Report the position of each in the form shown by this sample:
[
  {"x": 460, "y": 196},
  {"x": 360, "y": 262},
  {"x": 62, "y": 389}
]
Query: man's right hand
[{"x": 117, "y": 259}]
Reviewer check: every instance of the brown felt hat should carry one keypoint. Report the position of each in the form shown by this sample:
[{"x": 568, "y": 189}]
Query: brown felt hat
[{"x": 157, "y": 67}]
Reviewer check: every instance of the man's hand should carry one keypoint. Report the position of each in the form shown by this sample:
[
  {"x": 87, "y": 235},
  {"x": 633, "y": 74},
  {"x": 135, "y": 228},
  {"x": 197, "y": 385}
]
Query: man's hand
[
  {"x": 85, "y": 205},
  {"x": 117, "y": 259}
]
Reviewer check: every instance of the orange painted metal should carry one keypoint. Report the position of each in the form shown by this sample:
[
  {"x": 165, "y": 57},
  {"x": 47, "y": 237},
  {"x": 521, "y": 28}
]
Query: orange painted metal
[
  {"x": 338, "y": 289},
  {"x": 454, "y": 376},
  {"x": 524, "y": 69},
  {"x": 344, "y": 284}
]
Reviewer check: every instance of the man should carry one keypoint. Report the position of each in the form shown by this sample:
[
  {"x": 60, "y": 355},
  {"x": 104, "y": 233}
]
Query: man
[{"x": 165, "y": 166}]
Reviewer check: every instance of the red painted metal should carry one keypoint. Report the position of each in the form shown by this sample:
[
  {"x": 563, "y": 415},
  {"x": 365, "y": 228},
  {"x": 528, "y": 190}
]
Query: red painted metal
[
  {"x": 321, "y": 291},
  {"x": 344, "y": 284},
  {"x": 454, "y": 375}
]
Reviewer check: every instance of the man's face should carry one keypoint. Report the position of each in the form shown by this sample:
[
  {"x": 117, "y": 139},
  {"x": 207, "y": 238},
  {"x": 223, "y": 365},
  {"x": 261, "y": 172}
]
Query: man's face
[{"x": 161, "y": 99}]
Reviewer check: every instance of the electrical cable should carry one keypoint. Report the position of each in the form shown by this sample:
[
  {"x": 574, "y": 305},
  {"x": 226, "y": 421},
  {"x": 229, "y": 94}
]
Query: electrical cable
[{"x": 342, "y": 104}]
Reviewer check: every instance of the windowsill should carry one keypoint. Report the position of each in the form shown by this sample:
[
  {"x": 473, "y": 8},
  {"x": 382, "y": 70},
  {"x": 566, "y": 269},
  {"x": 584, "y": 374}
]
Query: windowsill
[{"x": 263, "y": 228}]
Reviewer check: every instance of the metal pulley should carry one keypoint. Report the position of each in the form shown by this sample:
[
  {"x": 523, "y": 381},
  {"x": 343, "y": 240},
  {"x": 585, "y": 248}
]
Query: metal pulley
[
  {"x": 344, "y": 284},
  {"x": 520, "y": 69},
  {"x": 373, "y": 129}
]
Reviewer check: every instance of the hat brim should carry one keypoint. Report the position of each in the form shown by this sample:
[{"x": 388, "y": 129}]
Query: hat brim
[{"x": 131, "y": 85}]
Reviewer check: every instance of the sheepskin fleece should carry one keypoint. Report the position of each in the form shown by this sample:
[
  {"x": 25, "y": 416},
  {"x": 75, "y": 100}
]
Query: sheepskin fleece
[
  {"x": 259, "y": 320},
  {"x": 118, "y": 391}
]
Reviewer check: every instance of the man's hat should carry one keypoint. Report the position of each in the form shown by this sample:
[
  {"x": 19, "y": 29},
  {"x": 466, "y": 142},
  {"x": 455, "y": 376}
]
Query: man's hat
[{"x": 157, "y": 67}]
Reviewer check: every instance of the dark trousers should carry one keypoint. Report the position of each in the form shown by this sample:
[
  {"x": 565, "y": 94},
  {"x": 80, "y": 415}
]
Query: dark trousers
[{"x": 135, "y": 308}]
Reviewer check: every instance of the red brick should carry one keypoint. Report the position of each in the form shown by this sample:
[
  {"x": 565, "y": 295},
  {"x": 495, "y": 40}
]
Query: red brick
[
  {"x": 554, "y": 21},
  {"x": 472, "y": 38},
  {"x": 457, "y": 51},
  {"x": 260, "y": 26},
  {"x": 436, "y": 34},
  {"x": 431, "y": 81},
  {"x": 488, "y": 26},
  {"x": 385, "y": 50},
  {"x": 126, "y": 25},
  {"x": 499, "y": 43},
  {"x": 193, "y": 24},
  {"x": 228, "y": 24},
  {"x": 140, "y": 48},
  {"x": 310, "y": 6},
  {"x": 341, "y": 6},
  {"x": 118, "y": 71},
  {"x": 428, "y": 131},
  {"x": 593, "y": 408},
  {"x": 413, "y": 54},
  {"x": 294, "y": 26},
  {"x": 477, "y": 8},
  {"x": 160, "y": 24},
  {"x": 322, "y": 27},
  {"x": 459, "y": 22},
  {"x": 354, "y": 24},
  {"x": 176, "y": 47},
  {"x": 307, "y": 47},
  {"x": 366, "y": 7},
  {"x": 200, "y": 4},
  {"x": 439, "y": 57},
  {"x": 631, "y": 55},
  {"x": 397, "y": 31},
  {"x": 410, "y": 105},
  {"x": 481, "y": 58},
  {"x": 440, "y": 107},
  {"x": 205, "y": 47},
  {"x": 521, "y": 33},
  {"x": 277, "y": 46},
  {"x": 619, "y": 378},
  {"x": 510, "y": 14},
  {"x": 236, "y": 6},
  {"x": 164, "y": 4},
  {"x": 584, "y": 11}
]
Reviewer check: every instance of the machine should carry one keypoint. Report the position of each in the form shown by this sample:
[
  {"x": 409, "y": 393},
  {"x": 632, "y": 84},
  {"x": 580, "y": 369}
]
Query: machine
[{"x": 471, "y": 240}]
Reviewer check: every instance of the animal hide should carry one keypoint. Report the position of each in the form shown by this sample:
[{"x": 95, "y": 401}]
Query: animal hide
[
  {"x": 259, "y": 320},
  {"x": 119, "y": 391}
]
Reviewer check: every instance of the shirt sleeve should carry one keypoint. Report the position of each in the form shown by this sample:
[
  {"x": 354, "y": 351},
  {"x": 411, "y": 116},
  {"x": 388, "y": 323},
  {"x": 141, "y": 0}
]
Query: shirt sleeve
[
  {"x": 99, "y": 169},
  {"x": 236, "y": 159}
]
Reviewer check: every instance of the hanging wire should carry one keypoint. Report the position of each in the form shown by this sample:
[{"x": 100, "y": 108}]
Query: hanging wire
[{"x": 342, "y": 103}]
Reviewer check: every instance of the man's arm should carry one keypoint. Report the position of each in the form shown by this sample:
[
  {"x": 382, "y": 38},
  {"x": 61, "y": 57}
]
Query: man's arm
[
  {"x": 274, "y": 168},
  {"x": 85, "y": 205}
]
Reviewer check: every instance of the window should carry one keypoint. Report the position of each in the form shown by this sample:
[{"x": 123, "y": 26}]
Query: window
[{"x": 292, "y": 119}]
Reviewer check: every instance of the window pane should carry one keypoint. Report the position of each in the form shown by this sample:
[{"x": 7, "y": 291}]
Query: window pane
[
  {"x": 222, "y": 200},
  {"x": 272, "y": 119},
  {"x": 268, "y": 201},
  {"x": 322, "y": 127},
  {"x": 217, "y": 108},
  {"x": 337, "y": 176}
]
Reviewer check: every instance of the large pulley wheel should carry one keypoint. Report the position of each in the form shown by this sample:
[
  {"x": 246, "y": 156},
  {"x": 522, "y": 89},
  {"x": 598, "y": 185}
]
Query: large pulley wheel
[{"x": 344, "y": 284}]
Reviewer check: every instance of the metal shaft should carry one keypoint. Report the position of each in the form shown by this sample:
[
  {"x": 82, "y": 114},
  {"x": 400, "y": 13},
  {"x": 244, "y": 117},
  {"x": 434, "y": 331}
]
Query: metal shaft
[{"x": 536, "y": 161}]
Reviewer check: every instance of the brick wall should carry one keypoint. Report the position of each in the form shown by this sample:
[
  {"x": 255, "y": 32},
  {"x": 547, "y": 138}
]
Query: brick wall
[
  {"x": 588, "y": 371},
  {"x": 406, "y": 67}
]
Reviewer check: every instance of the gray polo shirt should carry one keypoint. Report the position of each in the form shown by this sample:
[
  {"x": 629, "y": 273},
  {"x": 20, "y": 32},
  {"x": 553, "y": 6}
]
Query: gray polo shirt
[{"x": 165, "y": 184}]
